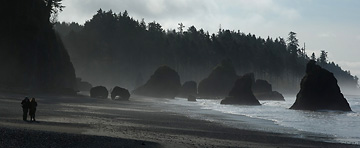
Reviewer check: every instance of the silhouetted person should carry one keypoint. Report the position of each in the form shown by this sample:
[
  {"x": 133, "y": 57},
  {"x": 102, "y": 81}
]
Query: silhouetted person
[
  {"x": 32, "y": 110},
  {"x": 25, "y": 104}
]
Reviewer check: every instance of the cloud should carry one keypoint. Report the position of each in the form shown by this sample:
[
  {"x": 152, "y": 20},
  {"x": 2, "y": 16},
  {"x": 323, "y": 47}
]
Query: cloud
[
  {"x": 207, "y": 14},
  {"x": 327, "y": 35},
  {"x": 265, "y": 8}
]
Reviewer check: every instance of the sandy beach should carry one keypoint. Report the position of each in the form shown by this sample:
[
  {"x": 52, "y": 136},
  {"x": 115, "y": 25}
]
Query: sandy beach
[{"x": 88, "y": 122}]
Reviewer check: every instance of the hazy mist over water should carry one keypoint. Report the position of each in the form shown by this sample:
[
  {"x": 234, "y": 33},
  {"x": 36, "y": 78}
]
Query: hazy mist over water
[{"x": 275, "y": 116}]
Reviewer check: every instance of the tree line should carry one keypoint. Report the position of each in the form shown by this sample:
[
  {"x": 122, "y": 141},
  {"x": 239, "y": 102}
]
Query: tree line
[{"x": 119, "y": 49}]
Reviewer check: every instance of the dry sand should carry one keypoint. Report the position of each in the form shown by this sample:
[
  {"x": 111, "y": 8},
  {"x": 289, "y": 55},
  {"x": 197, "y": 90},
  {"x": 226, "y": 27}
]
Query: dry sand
[{"x": 87, "y": 122}]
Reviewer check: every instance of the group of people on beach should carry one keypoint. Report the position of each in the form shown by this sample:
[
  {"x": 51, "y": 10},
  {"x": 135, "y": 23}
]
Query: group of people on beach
[{"x": 29, "y": 106}]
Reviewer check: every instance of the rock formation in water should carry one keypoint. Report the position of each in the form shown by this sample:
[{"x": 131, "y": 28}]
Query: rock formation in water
[
  {"x": 83, "y": 85},
  {"x": 319, "y": 91},
  {"x": 241, "y": 93},
  {"x": 219, "y": 82},
  {"x": 164, "y": 83},
  {"x": 263, "y": 91},
  {"x": 191, "y": 98},
  {"x": 122, "y": 93},
  {"x": 32, "y": 56},
  {"x": 188, "y": 88},
  {"x": 99, "y": 92}
]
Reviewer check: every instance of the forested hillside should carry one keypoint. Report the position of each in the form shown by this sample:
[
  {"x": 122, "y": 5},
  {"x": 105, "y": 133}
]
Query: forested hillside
[{"x": 115, "y": 49}]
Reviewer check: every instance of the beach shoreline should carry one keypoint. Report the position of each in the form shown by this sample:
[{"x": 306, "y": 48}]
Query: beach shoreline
[{"x": 136, "y": 123}]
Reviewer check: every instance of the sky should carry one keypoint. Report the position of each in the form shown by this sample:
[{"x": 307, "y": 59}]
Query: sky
[{"x": 330, "y": 25}]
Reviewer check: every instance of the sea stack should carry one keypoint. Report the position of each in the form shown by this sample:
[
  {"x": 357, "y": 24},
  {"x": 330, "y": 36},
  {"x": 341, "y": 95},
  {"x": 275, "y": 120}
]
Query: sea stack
[
  {"x": 191, "y": 98},
  {"x": 219, "y": 82},
  {"x": 263, "y": 91},
  {"x": 241, "y": 93},
  {"x": 83, "y": 85},
  {"x": 188, "y": 88},
  {"x": 319, "y": 91},
  {"x": 164, "y": 83}
]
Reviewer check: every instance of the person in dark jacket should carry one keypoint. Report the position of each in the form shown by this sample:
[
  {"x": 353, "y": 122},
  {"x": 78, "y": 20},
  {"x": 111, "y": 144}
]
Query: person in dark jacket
[
  {"x": 25, "y": 104},
  {"x": 33, "y": 105}
]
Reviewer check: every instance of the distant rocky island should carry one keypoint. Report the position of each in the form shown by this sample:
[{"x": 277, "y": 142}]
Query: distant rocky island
[
  {"x": 263, "y": 91},
  {"x": 241, "y": 93},
  {"x": 188, "y": 88},
  {"x": 164, "y": 83},
  {"x": 219, "y": 82}
]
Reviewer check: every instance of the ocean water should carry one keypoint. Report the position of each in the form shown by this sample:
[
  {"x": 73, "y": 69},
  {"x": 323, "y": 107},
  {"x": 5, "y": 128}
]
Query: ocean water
[{"x": 276, "y": 117}]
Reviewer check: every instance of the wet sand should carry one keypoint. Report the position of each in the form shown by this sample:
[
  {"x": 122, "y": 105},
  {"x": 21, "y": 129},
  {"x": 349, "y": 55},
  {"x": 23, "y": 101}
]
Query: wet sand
[{"x": 87, "y": 122}]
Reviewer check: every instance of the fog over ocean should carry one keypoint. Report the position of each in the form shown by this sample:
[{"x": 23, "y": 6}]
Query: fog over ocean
[{"x": 274, "y": 116}]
